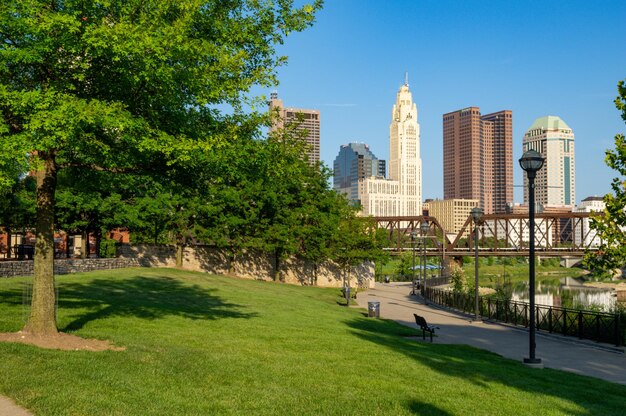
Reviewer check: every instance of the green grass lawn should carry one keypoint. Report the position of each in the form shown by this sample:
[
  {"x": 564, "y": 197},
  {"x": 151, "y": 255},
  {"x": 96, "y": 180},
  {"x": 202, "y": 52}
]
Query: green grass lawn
[{"x": 198, "y": 344}]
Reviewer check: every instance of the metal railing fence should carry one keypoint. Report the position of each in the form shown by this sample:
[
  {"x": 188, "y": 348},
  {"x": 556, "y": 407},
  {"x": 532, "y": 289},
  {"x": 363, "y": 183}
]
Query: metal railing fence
[{"x": 597, "y": 326}]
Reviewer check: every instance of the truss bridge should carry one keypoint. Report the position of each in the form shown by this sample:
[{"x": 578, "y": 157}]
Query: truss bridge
[{"x": 556, "y": 235}]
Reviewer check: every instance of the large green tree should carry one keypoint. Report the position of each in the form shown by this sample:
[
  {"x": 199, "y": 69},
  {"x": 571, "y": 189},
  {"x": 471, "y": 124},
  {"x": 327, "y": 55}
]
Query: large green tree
[
  {"x": 124, "y": 86},
  {"x": 611, "y": 225}
]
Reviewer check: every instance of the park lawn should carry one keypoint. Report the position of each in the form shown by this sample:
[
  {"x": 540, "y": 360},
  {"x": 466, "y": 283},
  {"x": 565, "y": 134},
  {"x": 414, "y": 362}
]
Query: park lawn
[{"x": 199, "y": 344}]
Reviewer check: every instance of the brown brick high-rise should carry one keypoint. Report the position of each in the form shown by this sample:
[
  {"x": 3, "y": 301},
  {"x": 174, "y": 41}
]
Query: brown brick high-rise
[{"x": 478, "y": 157}]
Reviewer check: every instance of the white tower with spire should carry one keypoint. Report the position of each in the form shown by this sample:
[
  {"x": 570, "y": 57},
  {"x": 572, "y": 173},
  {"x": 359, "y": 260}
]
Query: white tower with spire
[
  {"x": 405, "y": 163},
  {"x": 401, "y": 193}
]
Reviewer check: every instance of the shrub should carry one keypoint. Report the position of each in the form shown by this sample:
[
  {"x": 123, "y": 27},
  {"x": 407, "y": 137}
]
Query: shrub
[
  {"x": 459, "y": 280},
  {"x": 405, "y": 266},
  {"x": 504, "y": 287},
  {"x": 108, "y": 248}
]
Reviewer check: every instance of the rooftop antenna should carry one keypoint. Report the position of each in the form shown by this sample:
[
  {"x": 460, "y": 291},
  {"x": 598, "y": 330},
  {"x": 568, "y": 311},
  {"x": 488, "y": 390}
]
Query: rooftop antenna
[{"x": 406, "y": 78}]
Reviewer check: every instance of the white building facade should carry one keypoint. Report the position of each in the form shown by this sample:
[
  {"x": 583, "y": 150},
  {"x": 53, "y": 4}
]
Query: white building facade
[
  {"x": 401, "y": 194},
  {"x": 589, "y": 237},
  {"x": 379, "y": 197},
  {"x": 555, "y": 182}
]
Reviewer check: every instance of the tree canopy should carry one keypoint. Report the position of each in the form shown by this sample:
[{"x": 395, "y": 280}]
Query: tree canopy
[
  {"x": 125, "y": 86},
  {"x": 611, "y": 225}
]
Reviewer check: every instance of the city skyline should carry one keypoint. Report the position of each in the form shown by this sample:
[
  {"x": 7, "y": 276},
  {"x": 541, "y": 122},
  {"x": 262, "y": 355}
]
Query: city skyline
[{"x": 487, "y": 54}]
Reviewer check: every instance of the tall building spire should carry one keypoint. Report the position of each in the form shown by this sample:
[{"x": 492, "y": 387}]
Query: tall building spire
[
  {"x": 401, "y": 194},
  {"x": 405, "y": 163}
]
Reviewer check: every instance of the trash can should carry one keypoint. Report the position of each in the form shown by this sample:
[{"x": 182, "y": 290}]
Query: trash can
[{"x": 373, "y": 309}]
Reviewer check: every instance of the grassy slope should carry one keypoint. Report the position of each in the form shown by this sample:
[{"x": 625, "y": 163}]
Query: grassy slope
[{"x": 199, "y": 344}]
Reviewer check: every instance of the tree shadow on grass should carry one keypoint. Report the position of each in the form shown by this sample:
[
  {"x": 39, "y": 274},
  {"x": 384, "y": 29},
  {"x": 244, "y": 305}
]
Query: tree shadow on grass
[
  {"x": 148, "y": 297},
  {"x": 144, "y": 297},
  {"x": 483, "y": 368},
  {"x": 421, "y": 408}
]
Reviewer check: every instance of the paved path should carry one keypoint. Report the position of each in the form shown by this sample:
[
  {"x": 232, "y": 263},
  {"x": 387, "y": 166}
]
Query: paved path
[
  {"x": 9, "y": 408},
  {"x": 569, "y": 354}
]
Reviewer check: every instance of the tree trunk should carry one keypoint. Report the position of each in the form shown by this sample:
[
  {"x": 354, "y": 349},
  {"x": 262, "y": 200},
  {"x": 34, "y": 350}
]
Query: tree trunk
[
  {"x": 98, "y": 235},
  {"x": 67, "y": 245},
  {"x": 42, "y": 319},
  {"x": 180, "y": 250},
  {"x": 231, "y": 260},
  {"x": 276, "y": 265},
  {"x": 87, "y": 244},
  {"x": 8, "y": 243}
]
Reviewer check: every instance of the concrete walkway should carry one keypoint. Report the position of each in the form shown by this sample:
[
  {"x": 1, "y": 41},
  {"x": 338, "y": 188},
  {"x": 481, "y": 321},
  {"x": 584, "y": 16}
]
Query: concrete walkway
[
  {"x": 564, "y": 353},
  {"x": 8, "y": 408}
]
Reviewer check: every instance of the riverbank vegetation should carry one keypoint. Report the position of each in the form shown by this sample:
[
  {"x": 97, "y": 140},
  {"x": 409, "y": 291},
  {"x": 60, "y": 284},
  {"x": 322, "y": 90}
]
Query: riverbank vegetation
[{"x": 491, "y": 269}]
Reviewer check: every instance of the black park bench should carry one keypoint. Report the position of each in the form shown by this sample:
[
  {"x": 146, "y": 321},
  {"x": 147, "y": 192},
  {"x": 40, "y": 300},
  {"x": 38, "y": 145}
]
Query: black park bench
[{"x": 421, "y": 322}]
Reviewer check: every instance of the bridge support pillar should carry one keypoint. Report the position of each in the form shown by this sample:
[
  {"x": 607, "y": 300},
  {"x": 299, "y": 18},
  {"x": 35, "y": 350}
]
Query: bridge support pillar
[{"x": 568, "y": 262}]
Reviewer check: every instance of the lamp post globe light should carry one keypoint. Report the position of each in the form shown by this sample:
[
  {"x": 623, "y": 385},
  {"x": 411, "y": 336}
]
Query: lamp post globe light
[
  {"x": 477, "y": 214},
  {"x": 531, "y": 162},
  {"x": 424, "y": 228},
  {"x": 413, "y": 238}
]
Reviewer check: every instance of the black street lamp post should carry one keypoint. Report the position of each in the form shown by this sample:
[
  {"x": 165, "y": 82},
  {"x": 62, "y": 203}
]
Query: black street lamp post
[
  {"x": 477, "y": 214},
  {"x": 531, "y": 162},
  {"x": 413, "y": 238}
]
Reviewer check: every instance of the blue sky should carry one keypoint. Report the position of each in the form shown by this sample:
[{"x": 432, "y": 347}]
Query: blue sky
[{"x": 535, "y": 58}]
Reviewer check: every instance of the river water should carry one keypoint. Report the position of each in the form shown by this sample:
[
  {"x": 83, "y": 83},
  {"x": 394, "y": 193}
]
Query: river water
[{"x": 568, "y": 293}]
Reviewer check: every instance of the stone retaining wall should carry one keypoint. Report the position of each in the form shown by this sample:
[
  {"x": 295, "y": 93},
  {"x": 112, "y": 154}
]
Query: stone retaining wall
[
  {"x": 249, "y": 265},
  {"x": 66, "y": 266}
]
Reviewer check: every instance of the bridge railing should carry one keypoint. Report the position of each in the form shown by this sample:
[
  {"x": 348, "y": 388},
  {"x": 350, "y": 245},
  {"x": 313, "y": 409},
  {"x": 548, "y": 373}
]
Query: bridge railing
[{"x": 596, "y": 326}]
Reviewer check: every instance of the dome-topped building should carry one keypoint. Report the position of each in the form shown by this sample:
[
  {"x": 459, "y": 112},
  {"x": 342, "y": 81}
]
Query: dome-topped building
[
  {"x": 554, "y": 140},
  {"x": 552, "y": 123}
]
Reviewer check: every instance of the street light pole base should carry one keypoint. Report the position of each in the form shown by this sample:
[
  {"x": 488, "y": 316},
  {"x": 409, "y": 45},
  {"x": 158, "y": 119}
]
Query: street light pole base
[{"x": 533, "y": 362}]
